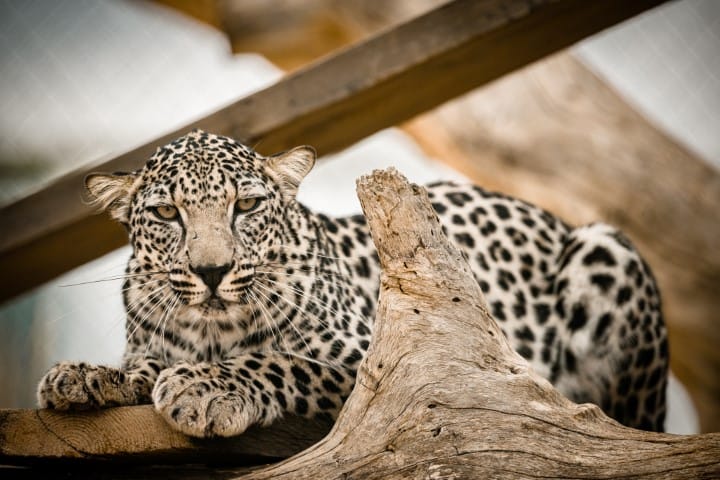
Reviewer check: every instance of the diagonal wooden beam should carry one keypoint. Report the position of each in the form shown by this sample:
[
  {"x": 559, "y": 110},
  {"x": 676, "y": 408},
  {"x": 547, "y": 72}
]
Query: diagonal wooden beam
[{"x": 331, "y": 104}]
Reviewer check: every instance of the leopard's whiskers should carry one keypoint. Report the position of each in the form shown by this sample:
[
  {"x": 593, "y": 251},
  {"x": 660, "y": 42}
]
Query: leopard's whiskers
[
  {"x": 135, "y": 322},
  {"x": 141, "y": 285},
  {"x": 304, "y": 295},
  {"x": 260, "y": 312},
  {"x": 79, "y": 308},
  {"x": 175, "y": 302},
  {"x": 304, "y": 251},
  {"x": 302, "y": 269},
  {"x": 291, "y": 353},
  {"x": 254, "y": 314},
  {"x": 269, "y": 321},
  {"x": 168, "y": 312},
  {"x": 116, "y": 321},
  {"x": 113, "y": 278},
  {"x": 265, "y": 314},
  {"x": 334, "y": 366},
  {"x": 164, "y": 299},
  {"x": 279, "y": 309},
  {"x": 300, "y": 294},
  {"x": 156, "y": 297}
]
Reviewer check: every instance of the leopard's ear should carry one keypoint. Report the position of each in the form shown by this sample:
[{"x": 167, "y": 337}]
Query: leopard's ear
[
  {"x": 112, "y": 193},
  {"x": 289, "y": 168}
]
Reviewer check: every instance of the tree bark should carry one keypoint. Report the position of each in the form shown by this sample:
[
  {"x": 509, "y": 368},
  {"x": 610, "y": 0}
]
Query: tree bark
[
  {"x": 442, "y": 395},
  {"x": 556, "y": 135}
]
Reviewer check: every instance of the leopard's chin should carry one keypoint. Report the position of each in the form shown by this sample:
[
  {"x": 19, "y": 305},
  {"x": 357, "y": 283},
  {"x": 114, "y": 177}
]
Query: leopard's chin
[
  {"x": 215, "y": 303},
  {"x": 215, "y": 308},
  {"x": 222, "y": 300}
]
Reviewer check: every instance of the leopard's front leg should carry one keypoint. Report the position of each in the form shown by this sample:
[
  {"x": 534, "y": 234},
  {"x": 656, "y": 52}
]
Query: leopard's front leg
[
  {"x": 81, "y": 386},
  {"x": 225, "y": 398}
]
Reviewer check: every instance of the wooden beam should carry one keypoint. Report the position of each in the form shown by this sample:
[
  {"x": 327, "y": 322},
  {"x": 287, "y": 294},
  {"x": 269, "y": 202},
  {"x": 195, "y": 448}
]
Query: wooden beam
[
  {"x": 137, "y": 435},
  {"x": 332, "y": 104}
]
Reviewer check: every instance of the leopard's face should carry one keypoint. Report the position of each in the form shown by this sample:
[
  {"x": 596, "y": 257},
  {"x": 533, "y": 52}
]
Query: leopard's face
[
  {"x": 207, "y": 224},
  {"x": 202, "y": 214}
]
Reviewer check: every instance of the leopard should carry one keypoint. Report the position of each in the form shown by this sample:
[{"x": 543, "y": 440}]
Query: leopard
[{"x": 243, "y": 306}]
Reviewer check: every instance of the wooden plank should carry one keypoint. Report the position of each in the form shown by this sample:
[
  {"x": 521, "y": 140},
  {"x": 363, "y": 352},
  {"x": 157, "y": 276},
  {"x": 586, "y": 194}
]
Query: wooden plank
[
  {"x": 557, "y": 135},
  {"x": 135, "y": 435},
  {"x": 376, "y": 84}
]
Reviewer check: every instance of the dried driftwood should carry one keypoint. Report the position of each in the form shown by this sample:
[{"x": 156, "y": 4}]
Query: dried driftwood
[
  {"x": 441, "y": 393},
  {"x": 558, "y": 136}
]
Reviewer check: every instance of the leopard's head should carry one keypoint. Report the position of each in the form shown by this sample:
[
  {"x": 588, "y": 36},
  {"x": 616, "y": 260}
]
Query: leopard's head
[{"x": 201, "y": 215}]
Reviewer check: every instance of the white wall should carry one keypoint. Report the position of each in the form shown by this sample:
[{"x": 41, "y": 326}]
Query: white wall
[{"x": 666, "y": 63}]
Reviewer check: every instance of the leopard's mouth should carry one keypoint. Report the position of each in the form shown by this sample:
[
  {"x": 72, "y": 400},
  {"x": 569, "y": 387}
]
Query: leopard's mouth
[
  {"x": 214, "y": 302},
  {"x": 227, "y": 295}
]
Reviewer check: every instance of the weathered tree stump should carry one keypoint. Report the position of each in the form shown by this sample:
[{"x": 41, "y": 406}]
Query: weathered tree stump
[
  {"x": 558, "y": 136},
  {"x": 442, "y": 395}
]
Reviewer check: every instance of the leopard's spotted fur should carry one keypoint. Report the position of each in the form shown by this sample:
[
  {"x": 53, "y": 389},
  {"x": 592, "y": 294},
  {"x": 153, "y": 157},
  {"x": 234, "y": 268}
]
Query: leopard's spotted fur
[{"x": 242, "y": 304}]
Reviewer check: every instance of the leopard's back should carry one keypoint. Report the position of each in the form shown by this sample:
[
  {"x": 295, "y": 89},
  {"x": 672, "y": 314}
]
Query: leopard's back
[{"x": 579, "y": 304}]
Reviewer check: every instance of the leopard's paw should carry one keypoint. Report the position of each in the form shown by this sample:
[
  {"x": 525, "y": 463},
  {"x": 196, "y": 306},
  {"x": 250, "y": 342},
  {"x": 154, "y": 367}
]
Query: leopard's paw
[
  {"x": 195, "y": 400},
  {"x": 79, "y": 386}
]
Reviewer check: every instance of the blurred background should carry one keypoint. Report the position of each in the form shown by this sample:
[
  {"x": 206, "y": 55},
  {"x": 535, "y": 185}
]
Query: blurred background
[{"x": 83, "y": 81}]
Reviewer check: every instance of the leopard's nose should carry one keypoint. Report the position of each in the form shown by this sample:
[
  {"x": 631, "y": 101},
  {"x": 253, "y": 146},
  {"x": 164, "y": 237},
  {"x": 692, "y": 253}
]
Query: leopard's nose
[{"x": 211, "y": 275}]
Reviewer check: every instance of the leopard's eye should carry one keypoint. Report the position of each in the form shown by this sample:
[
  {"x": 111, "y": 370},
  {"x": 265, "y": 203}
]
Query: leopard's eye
[
  {"x": 245, "y": 205},
  {"x": 165, "y": 212}
]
